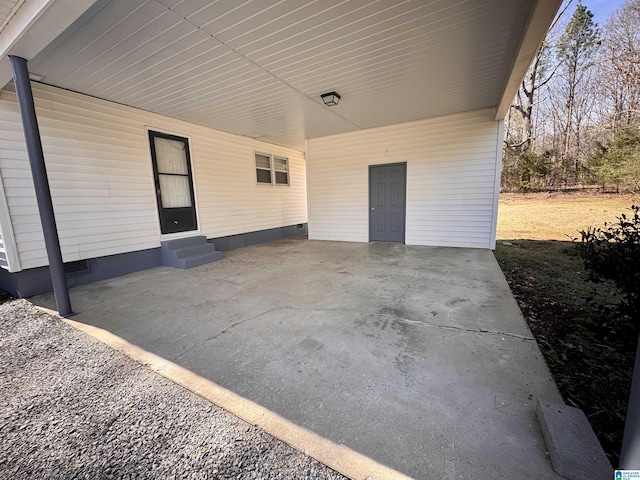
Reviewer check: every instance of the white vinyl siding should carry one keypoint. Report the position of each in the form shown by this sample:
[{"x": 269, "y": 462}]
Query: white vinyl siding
[
  {"x": 100, "y": 171},
  {"x": 451, "y": 171},
  {"x": 4, "y": 263},
  {"x": 8, "y": 252}
]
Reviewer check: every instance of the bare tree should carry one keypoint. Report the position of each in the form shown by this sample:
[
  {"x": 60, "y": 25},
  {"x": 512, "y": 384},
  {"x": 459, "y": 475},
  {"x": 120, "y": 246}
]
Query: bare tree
[
  {"x": 619, "y": 68},
  {"x": 539, "y": 74},
  {"x": 581, "y": 92},
  {"x": 526, "y": 98}
]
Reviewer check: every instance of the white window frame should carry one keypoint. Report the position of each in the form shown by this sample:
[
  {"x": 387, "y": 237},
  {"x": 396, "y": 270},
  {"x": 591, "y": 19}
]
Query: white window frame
[
  {"x": 272, "y": 169},
  {"x": 275, "y": 170},
  {"x": 256, "y": 168}
]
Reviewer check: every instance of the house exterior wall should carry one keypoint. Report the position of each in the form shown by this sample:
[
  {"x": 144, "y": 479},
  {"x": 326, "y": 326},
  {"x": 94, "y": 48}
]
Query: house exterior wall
[
  {"x": 3, "y": 254},
  {"x": 8, "y": 252},
  {"x": 4, "y": 223},
  {"x": 452, "y": 166},
  {"x": 100, "y": 172}
]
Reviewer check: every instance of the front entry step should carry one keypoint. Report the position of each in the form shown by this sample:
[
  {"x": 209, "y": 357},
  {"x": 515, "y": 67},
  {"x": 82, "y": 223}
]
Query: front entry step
[{"x": 189, "y": 252}]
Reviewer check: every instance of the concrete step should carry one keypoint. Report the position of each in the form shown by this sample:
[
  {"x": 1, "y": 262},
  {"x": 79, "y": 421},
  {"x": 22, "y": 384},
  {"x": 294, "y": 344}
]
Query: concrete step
[
  {"x": 574, "y": 449},
  {"x": 189, "y": 252},
  {"x": 195, "y": 250},
  {"x": 197, "y": 260},
  {"x": 184, "y": 242}
]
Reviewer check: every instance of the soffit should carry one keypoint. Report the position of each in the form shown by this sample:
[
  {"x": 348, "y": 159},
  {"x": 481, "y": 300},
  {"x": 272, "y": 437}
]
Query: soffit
[
  {"x": 7, "y": 9},
  {"x": 258, "y": 67}
]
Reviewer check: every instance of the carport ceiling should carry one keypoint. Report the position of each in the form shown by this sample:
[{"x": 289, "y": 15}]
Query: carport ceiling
[
  {"x": 258, "y": 67},
  {"x": 7, "y": 8}
]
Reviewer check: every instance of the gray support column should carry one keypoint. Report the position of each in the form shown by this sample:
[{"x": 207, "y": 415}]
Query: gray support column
[
  {"x": 41, "y": 183},
  {"x": 630, "y": 454}
]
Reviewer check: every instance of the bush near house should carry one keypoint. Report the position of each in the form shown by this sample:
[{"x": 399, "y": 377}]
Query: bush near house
[{"x": 613, "y": 253}]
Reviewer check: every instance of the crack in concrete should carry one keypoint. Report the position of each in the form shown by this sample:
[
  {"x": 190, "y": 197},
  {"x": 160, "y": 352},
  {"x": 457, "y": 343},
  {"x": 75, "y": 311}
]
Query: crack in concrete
[
  {"x": 462, "y": 329},
  {"x": 416, "y": 322},
  {"x": 221, "y": 332},
  {"x": 400, "y": 319}
]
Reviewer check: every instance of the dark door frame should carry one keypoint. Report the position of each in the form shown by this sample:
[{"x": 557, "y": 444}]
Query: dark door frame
[
  {"x": 404, "y": 217},
  {"x": 165, "y": 227}
]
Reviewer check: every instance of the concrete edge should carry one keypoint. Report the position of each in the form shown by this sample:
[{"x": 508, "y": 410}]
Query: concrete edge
[{"x": 340, "y": 458}]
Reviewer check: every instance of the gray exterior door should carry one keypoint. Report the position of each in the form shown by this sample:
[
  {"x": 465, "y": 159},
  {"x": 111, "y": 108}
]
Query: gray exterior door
[
  {"x": 174, "y": 182},
  {"x": 387, "y": 194}
]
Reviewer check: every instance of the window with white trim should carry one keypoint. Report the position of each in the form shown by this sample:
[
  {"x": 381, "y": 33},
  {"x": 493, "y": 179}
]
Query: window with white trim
[
  {"x": 281, "y": 170},
  {"x": 272, "y": 170},
  {"x": 263, "y": 168}
]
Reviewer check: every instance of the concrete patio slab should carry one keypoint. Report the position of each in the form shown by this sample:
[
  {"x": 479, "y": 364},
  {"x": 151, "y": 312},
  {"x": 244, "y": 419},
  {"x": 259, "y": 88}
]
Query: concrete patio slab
[{"x": 417, "y": 357}]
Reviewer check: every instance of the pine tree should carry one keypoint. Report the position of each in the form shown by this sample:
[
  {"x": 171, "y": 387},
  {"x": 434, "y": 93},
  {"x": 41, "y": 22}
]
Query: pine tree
[{"x": 575, "y": 52}]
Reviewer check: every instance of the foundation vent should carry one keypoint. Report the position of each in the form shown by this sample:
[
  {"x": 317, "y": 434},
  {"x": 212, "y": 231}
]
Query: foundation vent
[{"x": 76, "y": 266}]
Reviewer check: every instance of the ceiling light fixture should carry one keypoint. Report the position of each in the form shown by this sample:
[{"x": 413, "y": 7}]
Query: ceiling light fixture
[{"x": 330, "y": 99}]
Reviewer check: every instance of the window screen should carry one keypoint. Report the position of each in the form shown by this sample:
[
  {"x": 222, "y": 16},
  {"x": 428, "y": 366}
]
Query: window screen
[
  {"x": 281, "y": 168},
  {"x": 263, "y": 168}
]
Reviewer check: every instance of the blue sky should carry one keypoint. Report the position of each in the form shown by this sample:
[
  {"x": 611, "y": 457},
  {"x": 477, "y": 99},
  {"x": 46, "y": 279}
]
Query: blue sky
[{"x": 601, "y": 9}]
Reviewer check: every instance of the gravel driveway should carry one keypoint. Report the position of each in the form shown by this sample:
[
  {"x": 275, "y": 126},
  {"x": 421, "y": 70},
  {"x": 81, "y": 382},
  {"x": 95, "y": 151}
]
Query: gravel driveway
[{"x": 71, "y": 407}]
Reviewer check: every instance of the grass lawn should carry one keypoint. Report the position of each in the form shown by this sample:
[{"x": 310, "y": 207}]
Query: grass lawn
[
  {"x": 589, "y": 351},
  {"x": 556, "y": 216}
]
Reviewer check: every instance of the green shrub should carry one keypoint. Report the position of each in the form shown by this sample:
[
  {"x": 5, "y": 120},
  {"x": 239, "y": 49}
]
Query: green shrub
[{"x": 613, "y": 253}]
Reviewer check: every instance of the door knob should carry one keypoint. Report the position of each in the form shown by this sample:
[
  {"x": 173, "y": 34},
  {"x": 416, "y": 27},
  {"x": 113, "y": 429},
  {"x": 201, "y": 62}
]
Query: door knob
[{"x": 372, "y": 209}]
